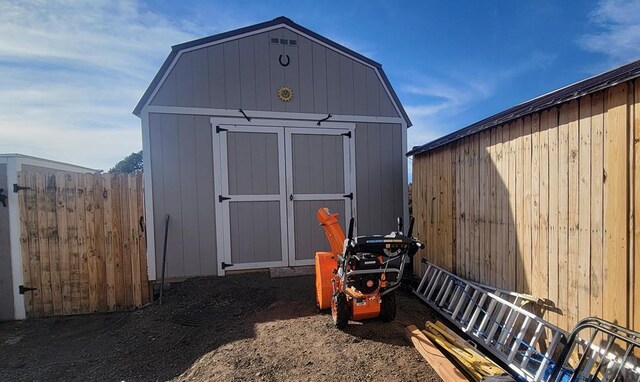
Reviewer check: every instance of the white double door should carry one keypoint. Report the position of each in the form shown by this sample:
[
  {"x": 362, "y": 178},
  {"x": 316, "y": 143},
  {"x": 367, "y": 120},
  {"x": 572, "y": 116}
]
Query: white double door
[{"x": 273, "y": 181}]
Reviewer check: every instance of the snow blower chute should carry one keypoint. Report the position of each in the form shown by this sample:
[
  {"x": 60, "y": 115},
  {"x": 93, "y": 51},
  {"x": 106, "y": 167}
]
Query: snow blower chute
[{"x": 357, "y": 278}]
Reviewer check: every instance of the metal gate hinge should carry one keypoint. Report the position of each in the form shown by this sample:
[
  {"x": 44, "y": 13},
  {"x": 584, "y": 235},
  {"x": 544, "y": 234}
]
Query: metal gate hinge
[
  {"x": 222, "y": 198},
  {"x": 349, "y": 195},
  {"x": 225, "y": 265},
  {"x": 219, "y": 129},
  {"x": 22, "y": 289},
  {"x": 17, "y": 188},
  {"x": 347, "y": 134}
]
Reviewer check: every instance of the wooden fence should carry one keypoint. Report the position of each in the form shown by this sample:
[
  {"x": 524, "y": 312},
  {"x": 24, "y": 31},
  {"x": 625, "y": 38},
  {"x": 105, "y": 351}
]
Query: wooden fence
[
  {"x": 83, "y": 242},
  {"x": 545, "y": 205}
]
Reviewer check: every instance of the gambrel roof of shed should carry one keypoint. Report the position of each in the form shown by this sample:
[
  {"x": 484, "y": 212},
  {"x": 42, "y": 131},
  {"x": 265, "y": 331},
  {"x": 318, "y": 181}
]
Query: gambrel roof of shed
[
  {"x": 579, "y": 89},
  {"x": 279, "y": 21}
]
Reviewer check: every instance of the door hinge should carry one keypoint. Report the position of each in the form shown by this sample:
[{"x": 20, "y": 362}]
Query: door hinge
[
  {"x": 17, "y": 188},
  {"x": 219, "y": 129},
  {"x": 349, "y": 195},
  {"x": 222, "y": 198},
  {"x": 22, "y": 289},
  {"x": 225, "y": 265},
  {"x": 347, "y": 134}
]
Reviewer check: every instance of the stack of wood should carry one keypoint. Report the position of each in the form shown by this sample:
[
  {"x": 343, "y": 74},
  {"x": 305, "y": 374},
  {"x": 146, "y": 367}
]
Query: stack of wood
[{"x": 437, "y": 340}]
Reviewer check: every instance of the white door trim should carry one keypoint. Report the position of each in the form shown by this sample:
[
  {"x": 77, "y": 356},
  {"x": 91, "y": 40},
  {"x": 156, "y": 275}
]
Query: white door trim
[
  {"x": 223, "y": 236},
  {"x": 349, "y": 180}
]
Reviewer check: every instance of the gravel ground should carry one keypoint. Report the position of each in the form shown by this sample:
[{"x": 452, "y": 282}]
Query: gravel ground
[{"x": 245, "y": 327}]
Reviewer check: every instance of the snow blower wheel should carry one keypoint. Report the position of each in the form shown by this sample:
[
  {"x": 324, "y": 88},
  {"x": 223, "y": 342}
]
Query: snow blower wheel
[
  {"x": 388, "y": 308},
  {"x": 358, "y": 278},
  {"x": 340, "y": 310}
]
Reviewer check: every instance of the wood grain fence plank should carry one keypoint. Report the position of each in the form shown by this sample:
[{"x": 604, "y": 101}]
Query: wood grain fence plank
[
  {"x": 615, "y": 207},
  {"x": 25, "y": 251},
  {"x": 596, "y": 279},
  {"x": 584, "y": 189},
  {"x": 554, "y": 187},
  {"x": 573, "y": 216},
  {"x": 63, "y": 241}
]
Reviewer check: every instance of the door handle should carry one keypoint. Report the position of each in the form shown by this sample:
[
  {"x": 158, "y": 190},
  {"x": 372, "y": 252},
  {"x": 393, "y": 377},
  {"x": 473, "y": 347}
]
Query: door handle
[{"x": 291, "y": 197}]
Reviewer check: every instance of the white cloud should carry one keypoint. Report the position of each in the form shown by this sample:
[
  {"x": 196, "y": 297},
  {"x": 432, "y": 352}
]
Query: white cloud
[
  {"x": 72, "y": 71},
  {"x": 617, "y": 32},
  {"x": 440, "y": 103}
]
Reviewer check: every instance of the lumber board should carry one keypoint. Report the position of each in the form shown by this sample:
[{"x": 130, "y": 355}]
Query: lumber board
[
  {"x": 24, "y": 246},
  {"x": 553, "y": 209},
  {"x": 482, "y": 208},
  {"x": 135, "y": 248},
  {"x": 573, "y": 213},
  {"x": 43, "y": 240},
  {"x": 542, "y": 256},
  {"x": 534, "y": 217},
  {"x": 596, "y": 279},
  {"x": 505, "y": 209},
  {"x": 493, "y": 206},
  {"x": 510, "y": 270},
  {"x": 526, "y": 228},
  {"x": 83, "y": 245},
  {"x": 459, "y": 210},
  {"x": 438, "y": 361},
  {"x": 636, "y": 207},
  {"x": 563, "y": 214},
  {"x": 91, "y": 240},
  {"x": 71, "y": 182},
  {"x": 142, "y": 242},
  {"x": 475, "y": 359},
  {"x": 615, "y": 207},
  {"x": 583, "y": 265},
  {"x": 109, "y": 247},
  {"x": 474, "y": 210},
  {"x": 52, "y": 238},
  {"x": 126, "y": 243},
  {"x": 63, "y": 242}
]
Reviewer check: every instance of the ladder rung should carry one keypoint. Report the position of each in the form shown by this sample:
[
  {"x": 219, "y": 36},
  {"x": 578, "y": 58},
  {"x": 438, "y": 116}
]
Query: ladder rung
[
  {"x": 545, "y": 361},
  {"x": 532, "y": 345},
  {"x": 518, "y": 340},
  {"x": 476, "y": 313},
  {"x": 463, "y": 298}
]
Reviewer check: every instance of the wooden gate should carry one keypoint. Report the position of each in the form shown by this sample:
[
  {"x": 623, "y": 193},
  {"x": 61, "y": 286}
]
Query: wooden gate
[{"x": 83, "y": 243}]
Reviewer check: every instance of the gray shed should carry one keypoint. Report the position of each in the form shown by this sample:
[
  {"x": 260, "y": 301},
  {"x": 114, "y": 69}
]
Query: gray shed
[
  {"x": 11, "y": 276},
  {"x": 247, "y": 133}
]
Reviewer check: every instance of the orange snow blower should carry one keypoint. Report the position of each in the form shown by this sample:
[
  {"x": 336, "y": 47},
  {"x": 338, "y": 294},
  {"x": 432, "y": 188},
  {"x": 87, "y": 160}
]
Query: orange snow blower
[{"x": 356, "y": 279}]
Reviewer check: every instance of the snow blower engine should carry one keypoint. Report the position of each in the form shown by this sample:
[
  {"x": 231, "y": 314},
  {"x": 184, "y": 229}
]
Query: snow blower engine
[{"x": 357, "y": 278}]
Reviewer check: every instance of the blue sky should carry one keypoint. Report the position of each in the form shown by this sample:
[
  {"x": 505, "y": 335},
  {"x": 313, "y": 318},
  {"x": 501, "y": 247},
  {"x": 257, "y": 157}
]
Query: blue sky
[{"x": 72, "y": 71}]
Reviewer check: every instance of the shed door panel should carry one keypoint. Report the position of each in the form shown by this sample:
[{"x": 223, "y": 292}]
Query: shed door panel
[
  {"x": 254, "y": 215},
  {"x": 259, "y": 221},
  {"x": 309, "y": 235},
  {"x": 318, "y": 175}
]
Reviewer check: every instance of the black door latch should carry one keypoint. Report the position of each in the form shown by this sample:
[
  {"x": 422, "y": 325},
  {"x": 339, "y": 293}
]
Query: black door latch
[
  {"x": 22, "y": 289},
  {"x": 3, "y": 198}
]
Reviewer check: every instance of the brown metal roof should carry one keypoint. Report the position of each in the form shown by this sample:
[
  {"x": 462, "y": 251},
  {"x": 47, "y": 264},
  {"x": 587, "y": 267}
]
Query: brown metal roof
[{"x": 567, "y": 93}]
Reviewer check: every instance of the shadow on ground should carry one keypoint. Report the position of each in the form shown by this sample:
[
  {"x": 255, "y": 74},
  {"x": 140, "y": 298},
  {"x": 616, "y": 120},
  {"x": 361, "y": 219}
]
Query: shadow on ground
[{"x": 240, "y": 327}]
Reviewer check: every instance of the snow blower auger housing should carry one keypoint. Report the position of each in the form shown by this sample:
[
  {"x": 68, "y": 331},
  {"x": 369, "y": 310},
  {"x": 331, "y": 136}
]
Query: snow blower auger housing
[{"x": 357, "y": 278}]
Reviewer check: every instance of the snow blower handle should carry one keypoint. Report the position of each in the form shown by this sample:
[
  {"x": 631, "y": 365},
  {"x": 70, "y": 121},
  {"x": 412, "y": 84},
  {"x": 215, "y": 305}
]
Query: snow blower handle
[
  {"x": 411, "y": 221},
  {"x": 350, "y": 235}
]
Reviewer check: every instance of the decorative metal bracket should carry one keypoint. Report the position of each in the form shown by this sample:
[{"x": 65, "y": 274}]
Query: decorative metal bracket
[
  {"x": 22, "y": 289},
  {"x": 222, "y": 198},
  {"x": 324, "y": 119},
  {"x": 17, "y": 188},
  {"x": 225, "y": 265},
  {"x": 245, "y": 115}
]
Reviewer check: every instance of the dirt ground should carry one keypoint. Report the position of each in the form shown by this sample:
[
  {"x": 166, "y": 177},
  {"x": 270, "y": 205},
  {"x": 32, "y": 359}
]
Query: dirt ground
[{"x": 245, "y": 327}]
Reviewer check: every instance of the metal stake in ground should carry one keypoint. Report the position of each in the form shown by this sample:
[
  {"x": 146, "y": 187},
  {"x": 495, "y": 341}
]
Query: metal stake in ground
[{"x": 164, "y": 255}]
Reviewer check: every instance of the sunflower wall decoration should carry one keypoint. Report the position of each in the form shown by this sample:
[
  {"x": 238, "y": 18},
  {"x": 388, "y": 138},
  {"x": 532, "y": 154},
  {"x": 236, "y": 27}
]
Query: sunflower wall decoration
[{"x": 285, "y": 94}]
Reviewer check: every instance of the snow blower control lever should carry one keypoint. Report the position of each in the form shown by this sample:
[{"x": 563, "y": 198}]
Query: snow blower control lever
[{"x": 356, "y": 279}]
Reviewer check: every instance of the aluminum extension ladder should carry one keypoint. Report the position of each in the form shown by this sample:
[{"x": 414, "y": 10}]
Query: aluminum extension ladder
[{"x": 524, "y": 342}]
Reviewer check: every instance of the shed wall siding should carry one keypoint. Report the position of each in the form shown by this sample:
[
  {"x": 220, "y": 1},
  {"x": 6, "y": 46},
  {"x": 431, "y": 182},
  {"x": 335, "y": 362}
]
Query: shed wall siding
[
  {"x": 246, "y": 73},
  {"x": 544, "y": 205},
  {"x": 379, "y": 177},
  {"x": 182, "y": 175},
  {"x": 6, "y": 281}
]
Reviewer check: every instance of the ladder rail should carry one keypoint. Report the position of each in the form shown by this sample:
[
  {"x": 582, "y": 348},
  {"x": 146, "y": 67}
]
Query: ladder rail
[{"x": 490, "y": 314}]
